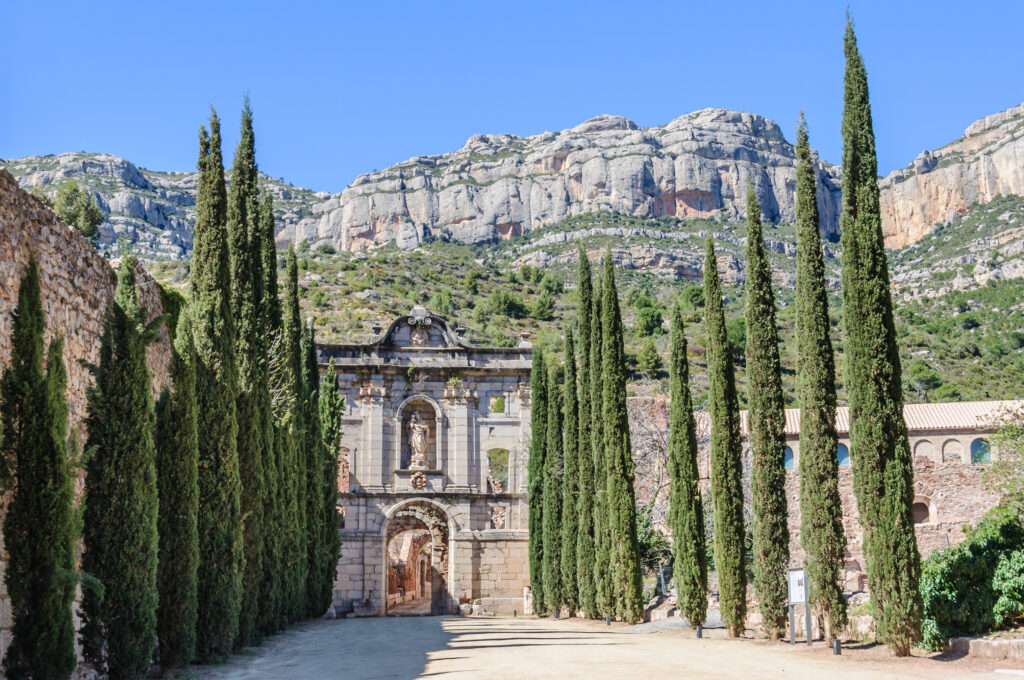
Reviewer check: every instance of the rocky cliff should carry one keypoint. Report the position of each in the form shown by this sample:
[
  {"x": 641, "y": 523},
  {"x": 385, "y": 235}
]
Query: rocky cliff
[
  {"x": 940, "y": 185},
  {"x": 152, "y": 211},
  {"x": 500, "y": 186}
]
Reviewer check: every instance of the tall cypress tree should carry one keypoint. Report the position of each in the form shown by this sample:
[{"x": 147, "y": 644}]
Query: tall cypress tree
[
  {"x": 570, "y": 478},
  {"x": 622, "y": 548},
  {"x": 221, "y": 560},
  {"x": 821, "y": 511},
  {"x": 177, "y": 458},
  {"x": 296, "y": 557},
  {"x": 585, "y": 500},
  {"x": 272, "y": 593},
  {"x": 686, "y": 512},
  {"x": 535, "y": 475},
  {"x": 119, "y": 517},
  {"x": 726, "y": 455},
  {"x": 766, "y": 427},
  {"x": 552, "y": 494},
  {"x": 882, "y": 471},
  {"x": 332, "y": 406},
  {"x": 39, "y": 529},
  {"x": 603, "y": 595},
  {"x": 246, "y": 290},
  {"x": 313, "y": 449}
]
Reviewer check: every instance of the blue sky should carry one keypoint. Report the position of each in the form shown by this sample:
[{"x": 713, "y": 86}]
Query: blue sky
[{"x": 343, "y": 88}]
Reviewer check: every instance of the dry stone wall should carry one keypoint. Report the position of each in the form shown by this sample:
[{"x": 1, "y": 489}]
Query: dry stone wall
[{"x": 77, "y": 285}]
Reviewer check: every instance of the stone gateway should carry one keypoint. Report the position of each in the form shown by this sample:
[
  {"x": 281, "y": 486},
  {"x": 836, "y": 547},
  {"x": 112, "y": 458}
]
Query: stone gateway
[{"x": 434, "y": 445}]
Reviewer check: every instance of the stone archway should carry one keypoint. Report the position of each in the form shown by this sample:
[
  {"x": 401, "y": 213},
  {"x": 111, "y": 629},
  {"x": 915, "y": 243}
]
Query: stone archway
[{"x": 422, "y": 516}]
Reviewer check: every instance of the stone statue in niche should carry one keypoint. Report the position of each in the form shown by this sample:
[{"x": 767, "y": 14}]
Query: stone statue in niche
[
  {"x": 419, "y": 442},
  {"x": 419, "y": 336},
  {"x": 498, "y": 517}
]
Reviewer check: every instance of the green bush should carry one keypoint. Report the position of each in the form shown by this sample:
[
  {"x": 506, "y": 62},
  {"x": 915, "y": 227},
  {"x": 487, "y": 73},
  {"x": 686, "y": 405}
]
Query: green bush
[
  {"x": 1008, "y": 581},
  {"x": 648, "y": 321},
  {"x": 959, "y": 587},
  {"x": 503, "y": 302}
]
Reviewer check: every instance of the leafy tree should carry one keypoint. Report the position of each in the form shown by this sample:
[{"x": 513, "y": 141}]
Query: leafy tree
[
  {"x": 76, "y": 207},
  {"x": 923, "y": 377},
  {"x": 121, "y": 500},
  {"x": 177, "y": 457},
  {"x": 648, "y": 362},
  {"x": 692, "y": 297},
  {"x": 604, "y": 596},
  {"x": 1006, "y": 474},
  {"x": 947, "y": 392},
  {"x": 442, "y": 302},
  {"x": 570, "y": 478},
  {"x": 535, "y": 475},
  {"x": 883, "y": 474},
  {"x": 543, "y": 307},
  {"x": 585, "y": 501},
  {"x": 648, "y": 321},
  {"x": 501, "y": 301},
  {"x": 736, "y": 334},
  {"x": 221, "y": 560},
  {"x": 332, "y": 407},
  {"x": 39, "y": 528},
  {"x": 821, "y": 513},
  {"x": 686, "y": 511},
  {"x": 552, "y": 283},
  {"x": 620, "y": 502},
  {"x": 766, "y": 424},
  {"x": 295, "y": 467},
  {"x": 552, "y": 494},
  {"x": 316, "y": 509},
  {"x": 726, "y": 455},
  {"x": 246, "y": 291}
]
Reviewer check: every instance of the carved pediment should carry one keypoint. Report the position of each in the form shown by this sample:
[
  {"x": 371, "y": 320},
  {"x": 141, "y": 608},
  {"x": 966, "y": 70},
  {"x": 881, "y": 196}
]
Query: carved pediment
[{"x": 419, "y": 330}]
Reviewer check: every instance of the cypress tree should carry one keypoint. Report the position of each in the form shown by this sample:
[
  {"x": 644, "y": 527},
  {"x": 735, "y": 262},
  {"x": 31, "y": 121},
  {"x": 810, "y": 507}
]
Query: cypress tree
[
  {"x": 313, "y": 449},
  {"x": 570, "y": 478},
  {"x": 120, "y": 508},
  {"x": 332, "y": 406},
  {"x": 622, "y": 548},
  {"x": 221, "y": 560},
  {"x": 177, "y": 457},
  {"x": 821, "y": 511},
  {"x": 552, "y": 495},
  {"x": 535, "y": 475},
  {"x": 686, "y": 511},
  {"x": 246, "y": 291},
  {"x": 766, "y": 427},
  {"x": 296, "y": 558},
  {"x": 882, "y": 471},
  {"x": 272, "y": 592},
  {"x": 585, "y": 502},
  {"x": 726, "y": 455},
  {"x": 39, "y": 529},
  {"x": 603, "y": 597}
]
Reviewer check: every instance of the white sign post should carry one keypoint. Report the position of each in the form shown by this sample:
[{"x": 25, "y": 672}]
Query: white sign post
[{"x": 798, "y": 594}]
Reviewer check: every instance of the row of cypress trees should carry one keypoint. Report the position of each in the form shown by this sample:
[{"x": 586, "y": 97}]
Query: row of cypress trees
[
  {"x": 583, "y": 543},
  {"x": 208, "y": 519}
]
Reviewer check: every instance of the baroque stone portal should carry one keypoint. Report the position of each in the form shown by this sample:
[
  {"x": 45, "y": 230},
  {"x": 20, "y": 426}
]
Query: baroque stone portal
[{"x": 435, "y": 504}]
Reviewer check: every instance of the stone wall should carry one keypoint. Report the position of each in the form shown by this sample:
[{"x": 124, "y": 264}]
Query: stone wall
[{"x": 77, "y": 284}]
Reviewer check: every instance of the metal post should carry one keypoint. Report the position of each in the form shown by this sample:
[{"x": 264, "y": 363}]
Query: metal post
[
  {"x": 661, "y": 572},
  {"x": 514, "y": 613},
  {"x": 792, "y": 625},
  {"x": 807, "y": 611},
  {"x": 556, "y": 615},
  {"x": 837, "y": 647},
  {"x": 607, "y": 620},
  {"x": 700, "y": 632}
]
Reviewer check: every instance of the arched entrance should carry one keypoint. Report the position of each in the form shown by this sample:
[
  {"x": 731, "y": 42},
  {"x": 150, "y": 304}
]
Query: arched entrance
[{"x": 416, "y": 551}]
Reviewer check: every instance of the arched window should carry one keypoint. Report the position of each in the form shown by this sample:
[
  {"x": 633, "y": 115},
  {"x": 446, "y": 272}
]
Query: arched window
[
  {"x": 843, "y": 455},
  {"x": 790, "y": 460},
  {"x": 980, "y": 451},
  {"x": 921, "y": 512}
]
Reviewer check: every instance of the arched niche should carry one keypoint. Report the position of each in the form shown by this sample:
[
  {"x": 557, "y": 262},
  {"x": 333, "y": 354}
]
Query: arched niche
[{"x": 427, "y": 413}]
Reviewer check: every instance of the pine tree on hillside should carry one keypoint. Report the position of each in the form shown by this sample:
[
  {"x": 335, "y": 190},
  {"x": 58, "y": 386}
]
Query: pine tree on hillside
[
  {"x": 726, "y": 455},
  {"x": 295, "y": 555},
  {"x": 570, "y": 478},
  {"x": 766, "y": 425},
  {"x": 603, "y": 593},
  {"x": 332, "y": 407},
  {"x": 39, "y": 528},
  {"x": 315, "y": 509},
  {"x": 535, "y": 475},
  {"x": 177, "y": 471},
  {"x": 213, "y": 334},
  {"x": 585, "y": 501},
  {"x": 821, "y": 511},
  {"x": 272, "y": 593},
  {"x": 622, "y": 548},
  {"x": 120, "y": 509},
  {"x": 246, "y": 289},
  {"x": 686, "y": 511},
  {"x": 552, "y": 494},
  {"x": 882, "y": 471}
]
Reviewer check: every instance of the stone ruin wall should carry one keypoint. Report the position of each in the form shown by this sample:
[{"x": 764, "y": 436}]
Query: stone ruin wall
[{"x": 77, "y": 284}]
